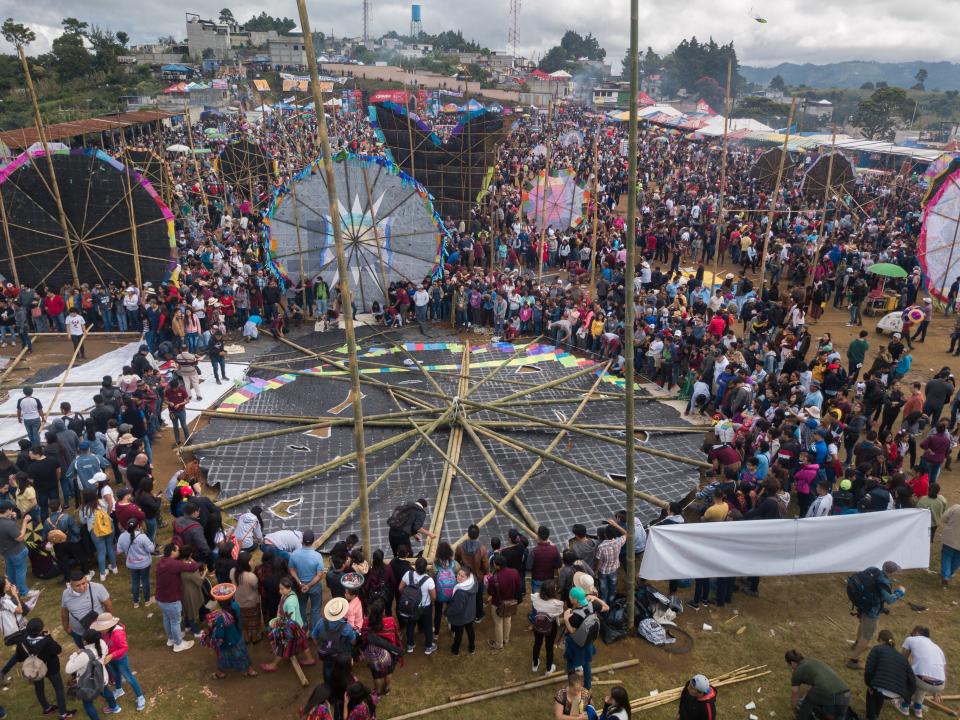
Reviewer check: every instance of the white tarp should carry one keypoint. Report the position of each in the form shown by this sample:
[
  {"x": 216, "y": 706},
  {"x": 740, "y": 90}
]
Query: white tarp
[{"x": 840, "y": 543}]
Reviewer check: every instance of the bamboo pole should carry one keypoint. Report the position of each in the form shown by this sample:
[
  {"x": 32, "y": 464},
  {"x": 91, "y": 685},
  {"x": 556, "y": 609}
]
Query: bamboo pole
[
  {"x": 9, "y": 242},
  {"x": 450, "y": 467},
  {"x": 344, "y": 278},
  {"x": 596, "y": 208},
  {"x": 630, "y": 312},
  {"x": 131, "y": 212},
  {"x": 196, "y": 163},
  {"x": 823, "y": 215},
  {"x": 537, "y": 463},
  {"x": 672, "y": 695},
  {"x": 414, "y": 446},
  {"x": 286, "y": 482},
  {"x": 557, "y": 676},
  {"x": 547, "y": 385},
  {"x": 220, "y": 442},
  {"x": 54, "y": 185},
  {"x": 451, "y": 461},
  {"x": 721, "y": 225},
  {"x": 531, "y": 521},
  {"x": 501, "y": 691},
  {"x": 376, "y": 238},
  {"x": 66, "y": 373},
  {"x": 543, "y": 206},
  {"x": 13, "y": 365},
  {"x": 768, "y": 231},
  {"x": 303, "y": 419},
  {"x": 493, "y": 373}
]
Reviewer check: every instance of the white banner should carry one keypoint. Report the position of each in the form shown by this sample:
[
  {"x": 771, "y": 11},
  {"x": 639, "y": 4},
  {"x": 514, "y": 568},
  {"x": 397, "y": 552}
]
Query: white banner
[{"x": 764, "y": 548}]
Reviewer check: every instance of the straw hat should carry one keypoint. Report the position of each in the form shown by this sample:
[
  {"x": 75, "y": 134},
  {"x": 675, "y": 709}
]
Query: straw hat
[
  {"x": 336, "y": 609},
  {"x": 583, "y": 581},
  {"x": 104, "y": 622},
  {"x": 126, "y": 439},
  {"x": 223, "y": 591}
]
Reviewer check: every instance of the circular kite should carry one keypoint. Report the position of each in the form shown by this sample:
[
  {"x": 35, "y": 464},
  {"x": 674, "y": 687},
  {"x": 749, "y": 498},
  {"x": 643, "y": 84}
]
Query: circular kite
[
  {"x": 938, "y": 250},
  {"x": 842, "y": 176},
  {"x": 102, "y": 205},
  {"x": 390, "y": 229},
  {"x": 913, "y": 314},
  {"x": 767, "y": 167},
  {"x": 151, "y": 165},
  {"x": 244, "y": 165},
  {"x": 564, "y": 204}
]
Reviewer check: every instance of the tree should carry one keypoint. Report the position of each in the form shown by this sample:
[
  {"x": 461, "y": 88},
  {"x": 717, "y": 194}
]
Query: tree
[
  {"x": 921, "y": 78},
  {"x": 555, "y": 59},
  {"x": 265, "y": 23},
  {"x": 876, "y": 116},
  {"x": 72, "y": 26},
  {"x": 122, "y": 38},
  {"x": 867, "y": 86},
  {"x": 227, "y": 18},
  {"x": 710, "y": 90},
  {"x": 578, "y": 46},
  {"x": 777, "y": 83},
  {"x": 763, "y": 109},
  {"x": 68, "y": 57},
  {"x": 16, "y": 34}
]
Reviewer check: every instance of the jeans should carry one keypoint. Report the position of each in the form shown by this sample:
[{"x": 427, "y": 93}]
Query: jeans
[
  {"x": 57, "y": 683},
  {"x": 608, "y": 586},
  {"x": 120, "y": 670},
  {"x": 70, "y": 491},
  {"x": 178, "y": 418},
  {"x": 949, "y": 562},
  {"x": 121, "y": 321},
  {"x": 220, "y": 364},
  {"x": 140, "y": 578},
  {"x": 17, "y": 570},
  {"x": 91, "y": 709},
  {"x": 32, "y": 427},
  {"x": 933, "y": 469},
  {"x": 425, "y": 623},
  {"x": 192, "y": 341},
  {"x": 171, "y": 620},
  {"x": 151, "y": 528},
  {"x": 6, "y": 331},
  {"x": 701, "y": 591},
  {"x": 43, "y": 502},
  {"x": 105, "y": 552},
  {"x": 315, "y": 599},
  {"x": 535, "y": 585}
]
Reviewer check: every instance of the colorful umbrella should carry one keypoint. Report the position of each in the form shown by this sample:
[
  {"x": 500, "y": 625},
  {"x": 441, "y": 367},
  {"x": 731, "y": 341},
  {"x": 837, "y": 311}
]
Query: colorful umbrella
[{"x": 887, "y": 270}]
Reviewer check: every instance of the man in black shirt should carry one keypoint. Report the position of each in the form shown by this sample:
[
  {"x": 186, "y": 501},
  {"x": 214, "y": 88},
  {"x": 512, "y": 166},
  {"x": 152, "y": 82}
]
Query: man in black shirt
[
  {"x": 139, "y": 471},
  {"x": 45, "y": 473},
  {"x": 102, "y": 413}
]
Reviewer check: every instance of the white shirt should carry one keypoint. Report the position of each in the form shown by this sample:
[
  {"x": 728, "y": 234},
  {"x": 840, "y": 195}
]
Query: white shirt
[
  {"x": 421, "y": 297},
  {"x": 821, "y": 506},
  {"x": 75, "y": 324},
  {"x": 926, "y": 657},
  {"x": 288, "y": 540},
  {"x": 29, "y": 407},
  {"x": 412, "y": 577}
]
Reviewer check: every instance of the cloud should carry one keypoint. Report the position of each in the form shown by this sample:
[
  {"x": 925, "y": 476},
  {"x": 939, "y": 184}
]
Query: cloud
[{"x": 797, "y": 30}]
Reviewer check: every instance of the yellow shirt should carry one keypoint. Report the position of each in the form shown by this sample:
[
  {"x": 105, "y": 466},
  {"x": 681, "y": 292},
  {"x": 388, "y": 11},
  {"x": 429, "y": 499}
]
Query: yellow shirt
[
  {"x": 26, "y": 499},
  {"x": 716, "y": 513}
]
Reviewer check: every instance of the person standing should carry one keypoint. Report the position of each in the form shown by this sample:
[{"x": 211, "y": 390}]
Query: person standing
[
  {"x": 462, "y": 610},
  {"x": 887, "y": 675},
  {"x": 504, "y": 586},
  {"x": 287, "y": 635},
  {"x": 189, "y": 370},
  {"x": 929, "y": 664},
  {"x": 176, "y": 398},
  {"x": 582, "y": 623},
  {"x": 698, "y": 700},
  {"x": 138, "y": 548},
  {"x": 306, "y": 568},
  {"x": 224, "y": 636},
  {"x": 416, "y": 611},
  {"x": 170, "y": 594},
  {"x": 936, "y": 504},
  {"x": 75, "y": 330},
  {"x": 937, "y": 448},
  {"x": 30, "y": 414},
  {"x": 408, "y": 522},
  {"x": 473, "y": 554},
  {"x": 38, "y": 642},
  {"x": 93, "y": 650},
  {"x": 13, "y": 548},
  {"x": 117, "y": 659},
  {"x": 873, "y": 590},
  {"x": 950, "y": 537},
  {"x": 826, "y": 694},
  {"x": 608, "y": 558},
  {"x": 547, "y": 610},
  {"x": 545, "y": 560},
  {"x": 856, "y": 353},
  {"x": 216, "y": 351}
]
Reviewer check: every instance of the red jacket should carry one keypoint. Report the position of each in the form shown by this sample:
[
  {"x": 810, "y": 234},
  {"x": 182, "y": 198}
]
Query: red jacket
[
  {"x": 169, "y": 587},
  {"x": 54, "y": 305},
  {"x": 503, "y": 585},
  {"x": 116, "y": 640}
]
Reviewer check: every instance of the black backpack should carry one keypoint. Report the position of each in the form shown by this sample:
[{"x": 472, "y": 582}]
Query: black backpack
[
  {"x": 331, "y": 642},
  {"x": 402, "y": 518},
  {"x": 408, "y": 606},
  {"x": 75, "y": 423},
  {"x": 863, "y": 589}
]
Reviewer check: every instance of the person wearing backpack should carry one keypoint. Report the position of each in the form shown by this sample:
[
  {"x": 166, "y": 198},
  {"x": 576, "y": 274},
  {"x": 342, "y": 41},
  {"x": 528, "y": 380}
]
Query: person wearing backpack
[
  {"x": 582, "y": 623},
  {"x": 88, "y": 666},
  {"x": 445, "y": 574},
  {"x": 418, "y": 592},
  {"x": 139, "y": 551},
  {"x": 95, "y": 515},
  {"x": 408, "y": 521},
  {"x": 462, "y": 610},
  {"x": 82, "y": 601},
  {"x": 870, "y": 591},
  {"x": 187, "y": 530},
  {"x": 333, "y": 635},
  {"x": 39, "y": 654},
  {"x": 547, "y": 609}
]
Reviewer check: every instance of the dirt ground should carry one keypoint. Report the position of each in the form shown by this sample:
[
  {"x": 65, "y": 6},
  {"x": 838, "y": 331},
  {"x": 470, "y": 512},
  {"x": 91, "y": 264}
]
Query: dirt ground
[{"x": 809, "y": 613}]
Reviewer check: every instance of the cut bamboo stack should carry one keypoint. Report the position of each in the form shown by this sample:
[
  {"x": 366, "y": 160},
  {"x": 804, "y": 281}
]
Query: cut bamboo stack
[{"x": 669, "y": 696}]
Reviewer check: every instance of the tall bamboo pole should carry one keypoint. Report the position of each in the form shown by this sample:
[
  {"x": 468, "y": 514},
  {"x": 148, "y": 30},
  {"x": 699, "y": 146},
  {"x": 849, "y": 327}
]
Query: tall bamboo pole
[
  {"x": 543, "y": 202},
  {"x": 721, "y": 226},
  {"x": 196, "y": 164},
  {"x": 54, "y": 185},
  {"x": 630, "y": 310},
  {"x": 596, "y": 208},
  {"x": 137, "y": 273},
  {"x": 8, "y": 241},
  {"x": 345, "y": 294},
  {"x": 776, "y": 194},
  {"x": 827, "y": 191}
]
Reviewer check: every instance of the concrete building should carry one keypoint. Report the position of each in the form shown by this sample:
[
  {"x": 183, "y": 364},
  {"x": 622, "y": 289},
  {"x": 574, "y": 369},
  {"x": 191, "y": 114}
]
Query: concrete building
[
  {"x": 288, "y": 50},
  {"x": 221, "y": 39}
]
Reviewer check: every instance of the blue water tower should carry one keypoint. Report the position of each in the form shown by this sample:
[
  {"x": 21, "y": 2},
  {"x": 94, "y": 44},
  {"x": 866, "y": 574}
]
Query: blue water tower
[{"x": 416, "y": 26}]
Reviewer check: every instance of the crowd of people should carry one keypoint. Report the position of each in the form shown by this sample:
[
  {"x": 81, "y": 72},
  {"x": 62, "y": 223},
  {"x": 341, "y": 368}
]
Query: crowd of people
[{"x": 799, "y": 426}]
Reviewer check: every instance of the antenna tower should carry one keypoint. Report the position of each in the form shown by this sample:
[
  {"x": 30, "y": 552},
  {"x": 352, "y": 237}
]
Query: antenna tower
[
  {"x": 366, "y": 22},
  {"x": 513, "y": 31}
]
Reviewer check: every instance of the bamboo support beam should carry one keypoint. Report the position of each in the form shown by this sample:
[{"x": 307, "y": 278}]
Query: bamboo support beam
[
  {"x": 476, "y": 486},
  {"x": 537, "y": 463},
  {"x": 306, "y": 419},
  {"x": 493, "y": 373},
  {"x": 596, "y": 208},
  {"x": 775, "y": 197},
  {"x": 66, "y": 373},
  {"x": 501, "y": 691},
  {"x": 7, "y": 371},
  {"x": 547, "y": 385},
  {"x": 414, "y": 446},
  {"x": 7, "y": 239},
  {"x": 494, "y": 466},
  {"x": 261, "y": 435},
  {"x": 450, "y": 466}
]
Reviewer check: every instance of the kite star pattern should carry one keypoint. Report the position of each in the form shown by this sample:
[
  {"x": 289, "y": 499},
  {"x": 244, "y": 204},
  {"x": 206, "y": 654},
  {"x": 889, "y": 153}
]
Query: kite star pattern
[
  {"x": 564, "y": 204},
  {"x": 517, "y": 427}
]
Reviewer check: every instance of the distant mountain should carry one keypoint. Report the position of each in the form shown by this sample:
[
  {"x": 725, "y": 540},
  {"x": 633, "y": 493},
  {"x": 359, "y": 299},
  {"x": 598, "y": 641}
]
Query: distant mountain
[{"x": 853, "y": 74}]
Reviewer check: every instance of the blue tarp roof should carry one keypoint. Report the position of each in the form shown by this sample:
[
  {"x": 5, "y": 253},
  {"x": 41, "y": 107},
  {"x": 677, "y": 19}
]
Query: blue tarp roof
[{"x": 176, "y": 67}]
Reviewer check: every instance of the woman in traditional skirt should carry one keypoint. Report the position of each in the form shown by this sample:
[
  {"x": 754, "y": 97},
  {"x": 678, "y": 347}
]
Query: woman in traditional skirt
[
  {"x": 224, "y": 636},
  {"x": 287, "y": 635},
  {"x": 248, "y": 598}
]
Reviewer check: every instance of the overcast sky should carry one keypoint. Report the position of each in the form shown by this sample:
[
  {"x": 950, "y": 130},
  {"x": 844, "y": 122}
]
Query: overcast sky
[{"x": 796, "y": 30}]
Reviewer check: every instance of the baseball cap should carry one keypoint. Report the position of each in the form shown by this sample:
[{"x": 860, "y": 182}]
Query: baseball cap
[
  {"x": 701, "y": 683},
  {"x": 890, "y": 567},
  {"x": 85, "y": 445},
  {"x": 846, "y": 484},
  {"x": 308, "y": 537},
  {"x": 577, "y": 595}
]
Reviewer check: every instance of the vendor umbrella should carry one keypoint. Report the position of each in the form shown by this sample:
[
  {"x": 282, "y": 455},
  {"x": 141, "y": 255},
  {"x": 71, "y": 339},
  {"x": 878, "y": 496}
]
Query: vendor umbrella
[{"x": 887, "y": 270}]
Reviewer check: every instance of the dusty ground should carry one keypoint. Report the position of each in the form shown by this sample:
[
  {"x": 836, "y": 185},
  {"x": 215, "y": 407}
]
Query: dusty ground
[{"x": 809, "y": 613}]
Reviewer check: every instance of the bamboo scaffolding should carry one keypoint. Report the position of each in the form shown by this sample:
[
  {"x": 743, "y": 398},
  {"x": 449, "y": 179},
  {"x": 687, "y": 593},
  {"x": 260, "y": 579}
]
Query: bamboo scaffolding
[
  {"x": 8, "y": 241},
  {"x": 774, "y": 199},
  {"x": 414, "y": 446},
  {"x": 596, "y": 208},
  {"x": 539, "y": 461},
  {"x": 196, "y": 163},
  {"x": 827, "y": 191},
  {"x": 304, "y": 419},
  {"x": 134, "y": 238},
  {"x": 501, "y": 691},
  {"x": 66, "y": 373},
  {"x": 721, "y": 225},
  {"x": 550, "y": 384},
  {"x": 531, "y": 521},
  {"x": 541, "y": 247},
  {"x": 7, "y": 371},
  {"x": 493, "y": 373}
]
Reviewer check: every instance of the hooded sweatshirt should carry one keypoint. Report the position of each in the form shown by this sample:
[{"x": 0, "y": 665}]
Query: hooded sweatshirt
[
  {"x": 45, "y": 648},
  {"x": 67, "y": 438},
  {"x": 462, "y": 608}
]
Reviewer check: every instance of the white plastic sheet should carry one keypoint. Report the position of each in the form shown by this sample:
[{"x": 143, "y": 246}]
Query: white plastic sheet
[{"x": 839, "y": 543}]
